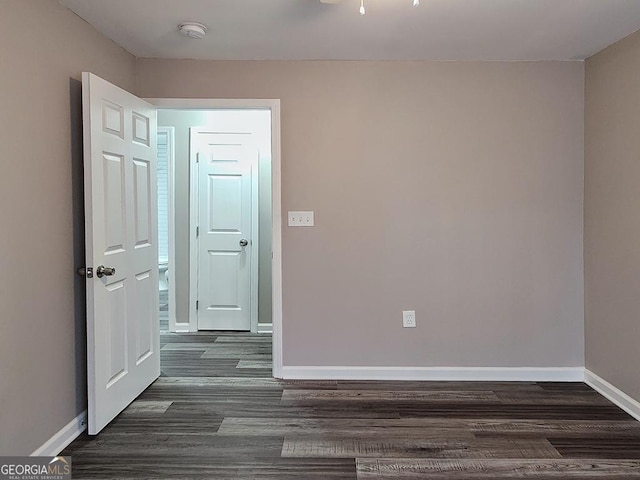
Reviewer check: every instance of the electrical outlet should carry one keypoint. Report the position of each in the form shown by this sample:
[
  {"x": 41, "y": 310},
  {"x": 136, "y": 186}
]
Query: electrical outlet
[
  {"x": 301, "y": 219},
  {"x": 409, "y": 319}
]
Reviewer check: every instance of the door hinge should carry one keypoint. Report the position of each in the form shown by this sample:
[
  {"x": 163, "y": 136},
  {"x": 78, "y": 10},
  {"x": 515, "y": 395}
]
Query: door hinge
[
  {"x": 197, "y": 232},
  {"x": 197, "y": 304}
]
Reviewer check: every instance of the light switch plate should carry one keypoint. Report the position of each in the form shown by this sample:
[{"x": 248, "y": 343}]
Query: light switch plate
[{"x": 301, "y": 219}]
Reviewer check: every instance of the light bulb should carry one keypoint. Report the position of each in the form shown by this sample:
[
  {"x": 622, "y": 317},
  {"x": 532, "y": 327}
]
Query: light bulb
[
  {"x": 416, "y": 3},
  {"x": 362, "y": 10}
]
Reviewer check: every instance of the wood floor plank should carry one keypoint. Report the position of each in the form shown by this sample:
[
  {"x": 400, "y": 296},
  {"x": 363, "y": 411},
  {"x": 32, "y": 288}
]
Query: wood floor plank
[
  {"x": 167, "y": 444},
  {"x": 166, "y": 425},
  {"x": 269, "y": 408},
  {"x": 515, "y": 411},
  {"x": 400, "y": 385},
  {"x": 248, "y": 339},
  {"x": 227, "y": 348},
  {"x": 213, "y": 396},
  {"x": 342, "y": 428},
  {"x": 187, "y": 467},
  {"x": 196, "y": 371},
  {"x": 330, "y": 446},
  {"x": 553, "y": 398},
  {"x": 300, "y": 396},
  {"x": 576, "y": 446},
  {"x": 540, "y": 469},
  {"x": 377, "y": 427},
  {"x": 558, "y": 428},
  {"x": 255, "y": 364},
  {"x": 188, "y": 338},
  {"x": 248, "y": 354},
  {"x": 145, "y": 408},
  {"x": 167, "y": 356},
  {"x": 566, "y": 386},
  {"x": 228, "y": 382}
]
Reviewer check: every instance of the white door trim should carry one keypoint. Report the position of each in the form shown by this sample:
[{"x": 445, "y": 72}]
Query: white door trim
[
  {"x": 194, "y": 172},
  {"x": 255, "y": 243},
  {"x": 273, "y": 105},
  {"x": 171, "y": 263}
]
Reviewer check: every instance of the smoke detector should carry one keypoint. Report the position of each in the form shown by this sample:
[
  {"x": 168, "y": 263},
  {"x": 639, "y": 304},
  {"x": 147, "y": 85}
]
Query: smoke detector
[{"x": 192, "y": 30}]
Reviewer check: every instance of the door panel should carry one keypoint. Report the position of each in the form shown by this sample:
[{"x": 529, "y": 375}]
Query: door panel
[
  {"x": 123, "y": 339},
  {"x": 146, "y": 316},
  {"x": 140, "y": 129},
  {"x": 226, "y": 292},
  {"x": 114, "y": 203},
  {"x": 116, "y": 326},
  {"x": 112, "y": 118},
  {"x": 225, "y": 204},
  {"x": 226, "y": 163},
  {"x": 142, "y": 201}
]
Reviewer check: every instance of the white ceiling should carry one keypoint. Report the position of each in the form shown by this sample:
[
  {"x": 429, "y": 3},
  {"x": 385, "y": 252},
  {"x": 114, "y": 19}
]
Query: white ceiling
[{"x": 391, "y": 29}]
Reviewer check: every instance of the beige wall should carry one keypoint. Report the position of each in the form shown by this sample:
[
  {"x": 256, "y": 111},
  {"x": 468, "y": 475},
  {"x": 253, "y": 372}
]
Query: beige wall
[
  {"x": 258, "y": 123},
  {"x": 43, "y": 50},
  {"x": 612, "y": 221},
  {"x": 455, "y": 189}
]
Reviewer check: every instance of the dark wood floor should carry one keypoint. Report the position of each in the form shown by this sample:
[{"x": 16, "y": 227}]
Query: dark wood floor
[
  {"x": 216, "y": 413},
  {"x": 164, "y": 311}
]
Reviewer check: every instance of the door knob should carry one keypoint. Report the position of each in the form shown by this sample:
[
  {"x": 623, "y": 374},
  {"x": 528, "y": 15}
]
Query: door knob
[
  {"x": 244, "y": 242},
  {"x": 103, "y": 271}
]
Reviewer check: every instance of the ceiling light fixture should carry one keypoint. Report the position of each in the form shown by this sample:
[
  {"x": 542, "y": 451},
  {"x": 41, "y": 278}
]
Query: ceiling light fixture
[
  {"x": 416, "y": 3},
  {"x": 192, "y": 30},
  {"x": 362, "y": 10}
]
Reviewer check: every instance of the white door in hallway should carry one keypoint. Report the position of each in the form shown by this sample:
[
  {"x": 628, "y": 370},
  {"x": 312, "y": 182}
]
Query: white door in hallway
[
  {"x": 123, "y": 339},
  {"x": 226, "y": 163}
]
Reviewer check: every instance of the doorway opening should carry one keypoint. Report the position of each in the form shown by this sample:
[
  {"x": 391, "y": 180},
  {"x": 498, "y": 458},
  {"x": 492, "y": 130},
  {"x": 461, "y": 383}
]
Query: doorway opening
[
  {"x": 224, "y": 243},
  {"x": 194, "y": 135},
  {"x": 166, "y": 211}
]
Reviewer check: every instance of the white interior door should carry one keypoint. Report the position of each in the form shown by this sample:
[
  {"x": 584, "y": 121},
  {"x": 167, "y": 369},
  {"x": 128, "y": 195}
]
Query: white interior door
[
  {"x": 123, "y": 342},
  {"x": 225, "y": 217}
]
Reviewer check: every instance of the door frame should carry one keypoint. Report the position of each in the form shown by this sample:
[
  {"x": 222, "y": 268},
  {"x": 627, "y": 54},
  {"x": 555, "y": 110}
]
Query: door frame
[
  {"x": 194, "y": 248},
  {"x": 273, "y": 105},
  {"x": 171, "y": 234}
]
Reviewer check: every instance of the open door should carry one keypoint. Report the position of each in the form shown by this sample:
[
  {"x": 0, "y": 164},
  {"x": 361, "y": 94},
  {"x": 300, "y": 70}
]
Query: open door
[{"x": 123, "y": 338}]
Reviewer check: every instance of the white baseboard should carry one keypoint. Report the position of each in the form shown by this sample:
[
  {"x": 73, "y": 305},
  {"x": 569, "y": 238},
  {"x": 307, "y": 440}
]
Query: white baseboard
[
  {"x": 265, "y": 328},
  {"x": 181, "y": 327},
  {"x": 494, "y": 374},
  {"x": 617, "y": 396},
  {"x": 63, "y": 438}
]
